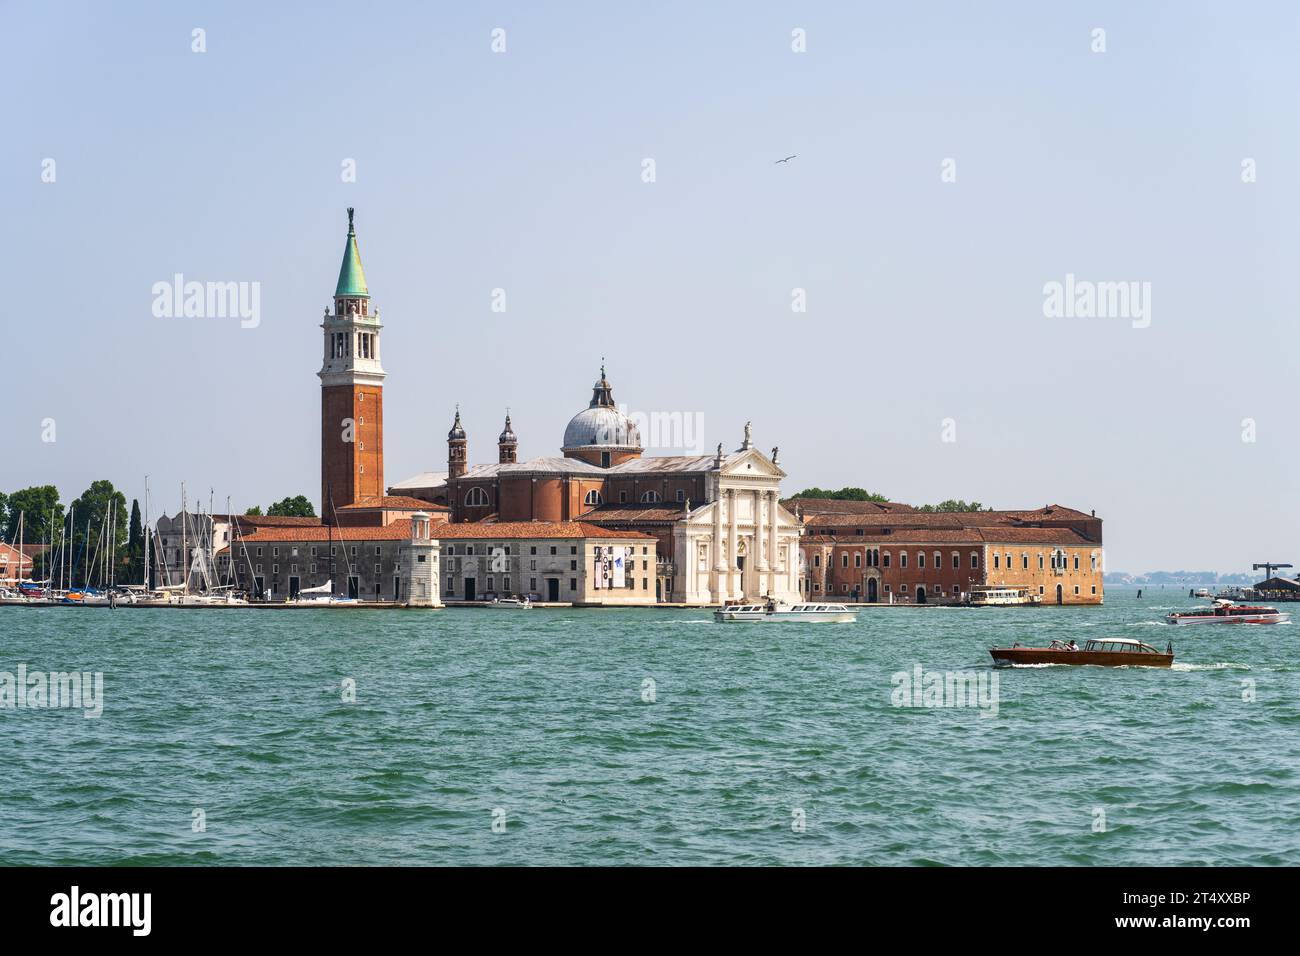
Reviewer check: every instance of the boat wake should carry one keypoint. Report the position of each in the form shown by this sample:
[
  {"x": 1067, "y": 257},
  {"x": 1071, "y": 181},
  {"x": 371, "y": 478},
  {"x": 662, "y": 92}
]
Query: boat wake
[{"x": 1220, "y": 666}]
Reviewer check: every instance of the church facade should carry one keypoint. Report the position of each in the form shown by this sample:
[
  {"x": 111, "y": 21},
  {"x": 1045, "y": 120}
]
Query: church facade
[{"x": 721, "y": 532}]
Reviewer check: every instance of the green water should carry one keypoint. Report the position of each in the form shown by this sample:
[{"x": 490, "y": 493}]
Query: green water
[{"x": 541, "y": 715}]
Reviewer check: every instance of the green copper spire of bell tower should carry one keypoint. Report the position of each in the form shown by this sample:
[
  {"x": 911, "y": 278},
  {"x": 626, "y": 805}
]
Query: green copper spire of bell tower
[{"x": 352, "y": 278}]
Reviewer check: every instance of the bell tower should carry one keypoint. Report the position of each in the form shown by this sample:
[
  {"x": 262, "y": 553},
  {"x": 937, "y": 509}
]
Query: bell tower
[
  {"x": 507, "y": 444},
  {"x": 457, "y": 448},
  {"x": 352, "y": 391}
]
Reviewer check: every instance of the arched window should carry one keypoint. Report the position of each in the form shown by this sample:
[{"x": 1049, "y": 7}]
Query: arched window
[
  {"x": 886, "y": 559},
  {"x": 476, "y": 498},
  {"x": 902, "y": 559},
  {"x": 650, "y": 498},
  {"x": 938, "y": 560},
  {"x": 593, "y": 498},
  {"x": 920, "y": 559}
]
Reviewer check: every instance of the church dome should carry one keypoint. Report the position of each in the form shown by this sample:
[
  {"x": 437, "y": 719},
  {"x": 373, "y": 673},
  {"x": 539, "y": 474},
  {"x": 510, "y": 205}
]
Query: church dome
[
  {"x": 601, "y": 424},
  {"x": 601, "y": 428}
]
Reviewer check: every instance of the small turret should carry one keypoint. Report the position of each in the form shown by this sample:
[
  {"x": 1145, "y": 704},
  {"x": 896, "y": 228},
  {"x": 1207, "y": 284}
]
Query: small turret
[
  {"x": 457, "y": 448},
  {"x": 507, "y": 444}
]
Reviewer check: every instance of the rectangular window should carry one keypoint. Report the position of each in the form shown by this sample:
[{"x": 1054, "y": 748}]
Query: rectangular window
[{"x": 573, "y": 584}]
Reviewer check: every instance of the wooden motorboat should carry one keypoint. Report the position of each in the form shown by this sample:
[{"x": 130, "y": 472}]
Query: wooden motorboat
[{"x": 1103, "y": 652}]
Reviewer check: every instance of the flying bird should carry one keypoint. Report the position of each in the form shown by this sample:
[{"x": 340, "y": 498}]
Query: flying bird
[{"x": 780, "y": 161}]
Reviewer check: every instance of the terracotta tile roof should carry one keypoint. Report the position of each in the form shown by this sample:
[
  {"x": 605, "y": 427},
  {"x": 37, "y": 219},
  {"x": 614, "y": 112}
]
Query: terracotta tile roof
[
  {"x": 1067, "y": 536},
  {"x": 266, "y": 521},
  {"x": 978, "y": 536},
  {"x": 394, "y": 503},
  {"x": 531, "y": 529},
  {"x": 393, "y": 531}
]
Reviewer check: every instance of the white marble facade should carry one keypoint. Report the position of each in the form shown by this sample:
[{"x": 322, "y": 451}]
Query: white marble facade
[{"x": 742, "y": 545}]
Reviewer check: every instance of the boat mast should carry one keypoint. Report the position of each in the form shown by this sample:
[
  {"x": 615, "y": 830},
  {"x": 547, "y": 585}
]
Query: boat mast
[{"x": 185, "y": 554}]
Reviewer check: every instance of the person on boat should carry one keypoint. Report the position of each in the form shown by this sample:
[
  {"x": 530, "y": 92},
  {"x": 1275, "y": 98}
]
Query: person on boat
[
  {"x": 1071, "y": 646},
  {"x": 771, "y": 605}
]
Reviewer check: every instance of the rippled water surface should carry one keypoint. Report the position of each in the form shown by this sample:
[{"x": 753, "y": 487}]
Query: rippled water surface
[{"x": 540, "y": 715}]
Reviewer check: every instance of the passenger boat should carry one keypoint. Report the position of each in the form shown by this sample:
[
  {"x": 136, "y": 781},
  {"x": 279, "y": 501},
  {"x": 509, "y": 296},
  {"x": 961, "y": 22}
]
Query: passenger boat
[
  {"x": 1224, "y": 611},
  {"x": 1103, "y": 652},
  {"x": 830, "y": 613},
  {"x": 982, "y": 595},
  {"x": 510, "y": 604}
]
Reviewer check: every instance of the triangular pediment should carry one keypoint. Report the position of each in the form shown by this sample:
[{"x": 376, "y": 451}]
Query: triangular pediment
[{"x": 751, "y": 463}]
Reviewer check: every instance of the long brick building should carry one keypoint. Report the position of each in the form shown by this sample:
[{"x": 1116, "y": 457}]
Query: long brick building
[{"x": 895, "y": 554}]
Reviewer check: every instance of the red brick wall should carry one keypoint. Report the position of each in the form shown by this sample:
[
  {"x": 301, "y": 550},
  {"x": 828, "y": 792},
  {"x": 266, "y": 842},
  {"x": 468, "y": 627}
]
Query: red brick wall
[{"x": 351, "y": 470}]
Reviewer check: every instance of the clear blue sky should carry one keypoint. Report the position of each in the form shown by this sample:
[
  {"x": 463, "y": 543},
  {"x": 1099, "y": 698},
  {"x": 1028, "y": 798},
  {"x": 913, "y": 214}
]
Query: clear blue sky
[{"x": 522, "y": 171}]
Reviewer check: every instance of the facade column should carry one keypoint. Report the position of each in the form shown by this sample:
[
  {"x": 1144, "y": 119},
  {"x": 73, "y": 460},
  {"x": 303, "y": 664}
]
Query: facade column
[
  {"x": 733, "y": 549},
  {"x": 715, "y": 578},
  {"x": 773, "y": 555},
  {"x": 762, "y": 563}
]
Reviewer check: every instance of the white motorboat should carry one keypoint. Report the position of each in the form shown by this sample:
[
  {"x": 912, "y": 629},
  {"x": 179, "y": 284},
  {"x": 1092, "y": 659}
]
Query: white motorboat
[
  {"x": 810, "y": 612},
  {"x": 510, "y": 604},
  {"x": 1227, "y": 612}
]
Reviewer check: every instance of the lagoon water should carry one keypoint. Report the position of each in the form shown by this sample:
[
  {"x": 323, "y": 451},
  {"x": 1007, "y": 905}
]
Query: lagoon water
[{"x": 539, "y": 721}]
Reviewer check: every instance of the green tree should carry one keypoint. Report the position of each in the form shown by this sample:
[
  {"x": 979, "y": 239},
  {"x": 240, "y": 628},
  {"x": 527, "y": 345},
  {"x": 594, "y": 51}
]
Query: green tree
[
  {"x": 40, "y": 508},
  {"x": 844, "y": 494},
  {"x": 953, "y": 505},
  {"x": 93, "y": 533},
  {"x": 133, "y": 565},
  {"x": 297, "y": 507},
  {"x": 255, "y": 511}
]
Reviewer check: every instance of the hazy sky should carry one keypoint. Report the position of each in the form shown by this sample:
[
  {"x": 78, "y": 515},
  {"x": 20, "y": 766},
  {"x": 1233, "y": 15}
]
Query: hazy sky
[{"x": 523, "y": 171}]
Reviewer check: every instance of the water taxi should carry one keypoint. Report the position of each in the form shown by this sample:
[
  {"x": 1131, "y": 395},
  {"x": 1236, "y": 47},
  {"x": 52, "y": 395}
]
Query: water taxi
[
  {"x": 1225, "y": 611},
  {"x": 510, "y": 604},
  {"x": 1103, "y": 652},
  {"x": 982, "y": 595},
  {"x": 830, "y": 613}
]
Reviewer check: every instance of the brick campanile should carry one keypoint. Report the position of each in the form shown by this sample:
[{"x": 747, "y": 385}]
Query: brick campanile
[{"x": 352, "y": 392}]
